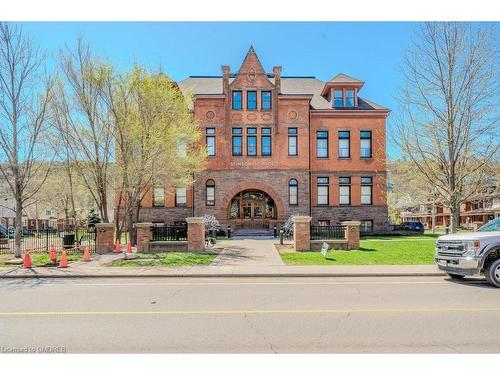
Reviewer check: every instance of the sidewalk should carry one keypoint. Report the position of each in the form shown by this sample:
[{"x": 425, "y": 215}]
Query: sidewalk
[{"x": 75, "y": 271}]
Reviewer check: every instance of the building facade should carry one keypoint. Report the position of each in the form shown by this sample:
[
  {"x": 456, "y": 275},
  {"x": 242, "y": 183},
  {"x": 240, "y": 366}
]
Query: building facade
[{"x": 279, "y": 146}]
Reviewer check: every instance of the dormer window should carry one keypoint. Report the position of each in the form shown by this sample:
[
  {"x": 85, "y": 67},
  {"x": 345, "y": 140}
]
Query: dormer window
[
  {"x": 338, "y": 100},
  {"x": 349, "y": 98}
]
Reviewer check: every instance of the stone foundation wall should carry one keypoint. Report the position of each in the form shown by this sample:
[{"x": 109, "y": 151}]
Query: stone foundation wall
[
  {"x": 165, "y": 215},
  {"x": 336, "y": 214}
]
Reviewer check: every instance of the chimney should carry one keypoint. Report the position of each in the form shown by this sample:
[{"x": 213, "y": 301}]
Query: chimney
[{"x": 277, "y": 78}]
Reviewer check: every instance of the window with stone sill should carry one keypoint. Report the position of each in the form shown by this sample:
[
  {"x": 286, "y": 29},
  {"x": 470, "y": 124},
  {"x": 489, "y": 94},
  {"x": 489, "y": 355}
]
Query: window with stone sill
[{"x": 180, "y": 196}]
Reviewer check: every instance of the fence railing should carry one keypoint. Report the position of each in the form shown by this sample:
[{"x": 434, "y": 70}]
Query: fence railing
[
  {"x": 170, "y": 233},
  {"x": 41, "y": 240},
  {"x": 327, "y": 232}
]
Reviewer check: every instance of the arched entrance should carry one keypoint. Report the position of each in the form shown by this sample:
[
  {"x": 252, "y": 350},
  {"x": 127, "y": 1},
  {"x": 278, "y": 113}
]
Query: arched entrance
[{"x": 251, "y": 209}]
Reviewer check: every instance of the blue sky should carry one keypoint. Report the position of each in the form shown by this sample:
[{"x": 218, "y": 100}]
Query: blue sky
[{"x": 370, "y": 51}]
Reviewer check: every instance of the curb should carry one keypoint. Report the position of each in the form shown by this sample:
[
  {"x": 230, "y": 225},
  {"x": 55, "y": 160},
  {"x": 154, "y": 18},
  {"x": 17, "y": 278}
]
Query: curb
[{"x": 229, "y": 275}]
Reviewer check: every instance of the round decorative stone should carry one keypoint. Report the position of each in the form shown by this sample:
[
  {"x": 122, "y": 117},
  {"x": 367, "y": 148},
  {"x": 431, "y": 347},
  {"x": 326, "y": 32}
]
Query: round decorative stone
[
  {"x": 210, "y": 115},
  {"x": 266, "y": 116},
  {"x": 252, "y": 116},
  {"x": 293, "y": 115}
]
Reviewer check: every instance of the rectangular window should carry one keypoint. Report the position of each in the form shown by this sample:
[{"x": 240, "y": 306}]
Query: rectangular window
[
  {"x": 344, "y": 144},
  {"x": 344, "y": 190},
  {"x": 366, "y": 144},
  {"x": 210, "y": 196},
  {"x": 182, "y": 149},
  {"x": 322, "y": 190},
  {"x": 366, "y": 190},
  {"x": 337, "y": 99},
  {"x": 210, "y": 139},
  {"x": 323, "y": 223},
  {"x": 266, "y": 131},
  {"x": 292, "y": 142},
  {"x": 237, "y": 142},
  {"x": 322, "y": 144},
  {"x": 158, "y": 197},
  {"x": 252, "y": 145},
  {"x": 252, "y": 100},
  {"x": 265, "y": 145},
  {"x": 366, "y": 226},
  {"x": 180, "y": 196},
  {"x": 265, "y": 97},
  {"x": 237, "y": 100},
  {"x": 349, "y": 98}
]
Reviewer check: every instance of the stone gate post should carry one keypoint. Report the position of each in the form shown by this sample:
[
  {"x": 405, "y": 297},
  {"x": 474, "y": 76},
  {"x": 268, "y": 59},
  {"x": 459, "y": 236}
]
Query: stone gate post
[
  {"x": 144, "y": 236},
  {"x": 301, "y": 233},
  {"x": 105, "y": 235},
  {"x": 196, "y": 233},
  {"x": 352, "y": 234}
]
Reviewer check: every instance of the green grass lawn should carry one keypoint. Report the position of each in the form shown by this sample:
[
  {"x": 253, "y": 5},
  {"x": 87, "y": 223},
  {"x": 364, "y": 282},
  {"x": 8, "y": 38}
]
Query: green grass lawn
[
  {"x": 39, "y": 260},
  {"x": 167, "y": 259},
  {"x": 375, "y": 250}
]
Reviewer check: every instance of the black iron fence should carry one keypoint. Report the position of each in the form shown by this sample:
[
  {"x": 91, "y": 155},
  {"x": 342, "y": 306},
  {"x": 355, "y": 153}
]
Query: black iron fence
[
  {"x": 327, "y": 232},
  {"x": 42, "y": 240},
  {"x": 170, "y": 233}
]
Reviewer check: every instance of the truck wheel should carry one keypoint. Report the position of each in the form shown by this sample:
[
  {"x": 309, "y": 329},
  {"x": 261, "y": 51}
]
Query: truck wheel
[
  {"x": 492, "y": 273},
  {"x": 455, "y": 276}
]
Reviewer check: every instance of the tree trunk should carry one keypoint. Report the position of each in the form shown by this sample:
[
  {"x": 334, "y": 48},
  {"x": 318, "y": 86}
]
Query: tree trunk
[
  {"x": 454, "y": 217},
  {"x": 18, "y": 229}
]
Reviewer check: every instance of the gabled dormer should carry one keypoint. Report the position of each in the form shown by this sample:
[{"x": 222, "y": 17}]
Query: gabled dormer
[{"x": 342, "y": 91}]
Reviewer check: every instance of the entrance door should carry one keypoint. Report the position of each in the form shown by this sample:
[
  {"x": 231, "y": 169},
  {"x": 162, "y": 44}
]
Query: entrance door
[{"x": 252, "y": 209}]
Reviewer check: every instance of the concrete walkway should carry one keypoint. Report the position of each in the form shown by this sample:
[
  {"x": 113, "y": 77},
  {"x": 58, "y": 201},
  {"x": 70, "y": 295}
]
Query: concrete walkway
[{"x": 249, "y": 252}]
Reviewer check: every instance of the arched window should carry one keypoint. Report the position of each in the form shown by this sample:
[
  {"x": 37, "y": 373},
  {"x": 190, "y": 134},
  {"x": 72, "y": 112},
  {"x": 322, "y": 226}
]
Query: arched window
[
  {"x": 293, "y": 192},
  {"x": 210, "y": 192}
]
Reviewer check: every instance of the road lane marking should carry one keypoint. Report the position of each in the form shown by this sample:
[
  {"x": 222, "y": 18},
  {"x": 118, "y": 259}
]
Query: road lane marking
[
  {"x": 256, "y": 312},
  {"x": 208, "y": 283}
]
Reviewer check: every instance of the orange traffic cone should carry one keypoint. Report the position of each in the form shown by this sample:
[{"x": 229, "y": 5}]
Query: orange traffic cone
[
  {"x": 64, "y": 260},
  {"x": 86, "y": 254},
  {"x": 27, "y": 260},
  {"x": 118, "y": 248},
  {"x": 129, "y": 247},
  {"x": 53, "y": 255}
]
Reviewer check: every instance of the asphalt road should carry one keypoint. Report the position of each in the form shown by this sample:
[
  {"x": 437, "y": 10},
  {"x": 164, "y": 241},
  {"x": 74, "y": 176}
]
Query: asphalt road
[{"x": 252, "y": 315}]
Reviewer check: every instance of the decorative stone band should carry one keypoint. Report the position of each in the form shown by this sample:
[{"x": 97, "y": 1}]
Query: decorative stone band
[
  {"x": 143, "y": 225},
  {"x": 351, "y": 223},
  {"x": 104, "y": 225},
  {"x": 195, "y": 220},
  {"x": 302, "y": 219}
]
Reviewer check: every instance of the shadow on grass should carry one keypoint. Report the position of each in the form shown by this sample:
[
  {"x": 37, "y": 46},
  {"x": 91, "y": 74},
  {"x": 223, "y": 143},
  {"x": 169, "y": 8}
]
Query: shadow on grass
[{"x": 366, "y": 249}]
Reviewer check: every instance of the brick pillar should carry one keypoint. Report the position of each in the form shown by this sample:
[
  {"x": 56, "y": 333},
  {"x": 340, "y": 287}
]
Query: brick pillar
[
  {"x": 352, "y": 234},
  {"x": 105, "y": 236},
  {"x": 144, "y": 236},
  {"x": 196, "y": 233},
  {"x": 301, "y": 233}
]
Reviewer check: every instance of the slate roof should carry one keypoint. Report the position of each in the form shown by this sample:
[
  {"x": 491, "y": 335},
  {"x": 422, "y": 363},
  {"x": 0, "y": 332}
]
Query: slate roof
[{"x": 205, "y": 85}]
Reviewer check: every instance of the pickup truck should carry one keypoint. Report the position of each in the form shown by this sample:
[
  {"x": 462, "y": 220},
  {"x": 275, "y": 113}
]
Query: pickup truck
[{"x": 471, "y": 253}]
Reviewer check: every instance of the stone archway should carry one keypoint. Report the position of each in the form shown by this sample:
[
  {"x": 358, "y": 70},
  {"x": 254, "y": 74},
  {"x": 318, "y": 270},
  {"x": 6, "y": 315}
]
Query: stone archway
[{"x": 252, "y": 186}]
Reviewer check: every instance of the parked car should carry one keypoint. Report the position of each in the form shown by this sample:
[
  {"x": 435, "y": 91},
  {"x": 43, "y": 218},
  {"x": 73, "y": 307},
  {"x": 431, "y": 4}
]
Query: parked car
[
  {"x": 407, "y": 226},
  {"x": 471, "y": 253}
]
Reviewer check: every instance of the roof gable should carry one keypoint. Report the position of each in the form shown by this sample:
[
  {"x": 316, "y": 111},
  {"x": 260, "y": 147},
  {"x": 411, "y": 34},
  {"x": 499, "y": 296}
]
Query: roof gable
[{"x": 251, "y": 73}]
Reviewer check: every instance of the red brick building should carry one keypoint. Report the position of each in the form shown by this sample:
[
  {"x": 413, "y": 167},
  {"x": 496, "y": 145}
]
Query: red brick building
[{"x": 282, "y": 145}]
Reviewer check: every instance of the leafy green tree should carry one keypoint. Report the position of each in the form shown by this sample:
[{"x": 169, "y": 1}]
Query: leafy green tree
[{"x": 157, "y": 140}]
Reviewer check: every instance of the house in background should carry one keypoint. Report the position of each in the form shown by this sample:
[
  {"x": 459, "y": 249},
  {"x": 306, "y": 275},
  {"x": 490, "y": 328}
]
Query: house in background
[{"x": 476, "y": 211}]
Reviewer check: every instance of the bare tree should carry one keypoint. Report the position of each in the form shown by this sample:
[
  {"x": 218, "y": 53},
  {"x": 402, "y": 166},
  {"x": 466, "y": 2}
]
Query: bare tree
[
  {"x": 448, "y": 126},
  {"x": 24, "y": 99},
  {"x": 84, "y": 120}
]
